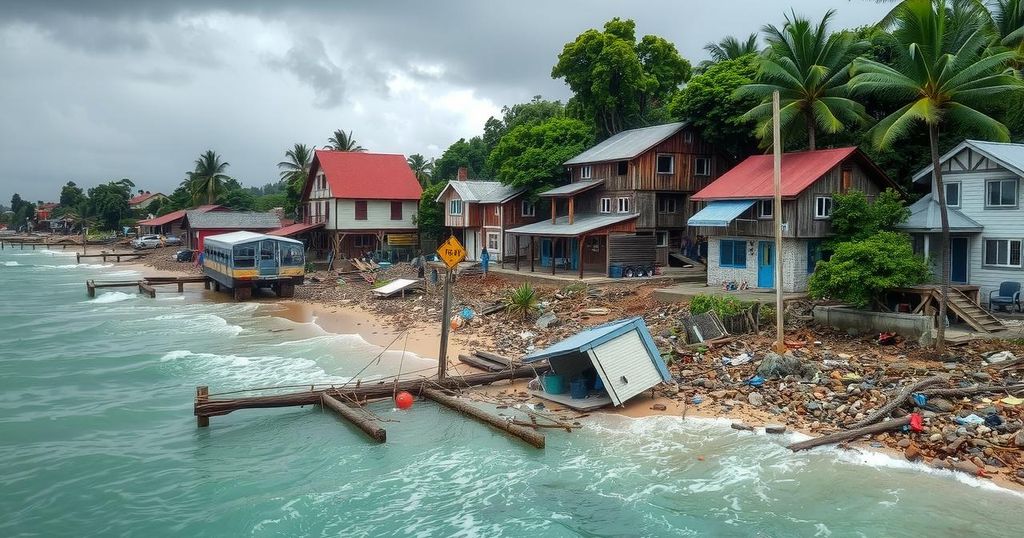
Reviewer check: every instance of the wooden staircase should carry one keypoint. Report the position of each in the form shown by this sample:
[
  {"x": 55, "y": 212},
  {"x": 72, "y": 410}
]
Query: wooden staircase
[{"x": 969, "y": 311}]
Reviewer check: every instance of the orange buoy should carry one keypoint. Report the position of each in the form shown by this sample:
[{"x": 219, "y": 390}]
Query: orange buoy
[{"x": 403, "y": 400}]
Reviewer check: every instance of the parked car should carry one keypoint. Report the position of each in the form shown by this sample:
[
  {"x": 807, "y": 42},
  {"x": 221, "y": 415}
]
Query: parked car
[
  {"x": 184, "y": 255},
  {"x": 147, "y": 241},
  {"x": 172, "y": 240}
]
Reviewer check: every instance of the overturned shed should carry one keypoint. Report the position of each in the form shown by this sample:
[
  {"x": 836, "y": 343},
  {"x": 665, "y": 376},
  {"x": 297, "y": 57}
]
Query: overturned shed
[{"x": 621, "y": 356}]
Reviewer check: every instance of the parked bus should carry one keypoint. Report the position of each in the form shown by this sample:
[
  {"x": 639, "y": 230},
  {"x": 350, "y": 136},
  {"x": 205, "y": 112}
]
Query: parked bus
[{"x": 242, "y": 261}]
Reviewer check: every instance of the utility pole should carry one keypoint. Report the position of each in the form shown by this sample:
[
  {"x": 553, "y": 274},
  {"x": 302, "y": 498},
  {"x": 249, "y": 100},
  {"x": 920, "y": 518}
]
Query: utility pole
[
  {"x": 446, "y": 306},
  {"x": 780, "y": 343}
]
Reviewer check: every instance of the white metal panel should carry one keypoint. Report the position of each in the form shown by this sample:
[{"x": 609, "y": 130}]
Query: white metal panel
[
  {"x": 378, "y": 216},
  {"x": 625, "y": 367}
]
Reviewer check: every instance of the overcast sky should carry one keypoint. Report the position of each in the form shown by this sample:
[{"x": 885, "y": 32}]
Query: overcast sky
[{"x": 104, "y": 89}]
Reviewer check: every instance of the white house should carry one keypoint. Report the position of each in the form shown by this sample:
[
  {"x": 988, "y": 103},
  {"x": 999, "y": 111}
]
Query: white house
[{"x": 986, "y": 220}]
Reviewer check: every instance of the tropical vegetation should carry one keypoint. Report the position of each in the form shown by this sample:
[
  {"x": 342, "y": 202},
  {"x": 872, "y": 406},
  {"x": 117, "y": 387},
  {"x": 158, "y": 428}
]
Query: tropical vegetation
[{"x": 342, "y": 141}]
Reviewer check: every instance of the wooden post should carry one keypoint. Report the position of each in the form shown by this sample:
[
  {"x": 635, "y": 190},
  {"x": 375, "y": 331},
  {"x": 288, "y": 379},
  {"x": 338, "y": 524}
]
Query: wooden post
[
  {"x": 526, "y": 434},
  {"x": 202, "y": 396},
  {"x": 554, "y": 209},
  {"x": 206, "y": 283},
  {"x": 446, "y": 305},
  {"x": 579, "y": 252},
  {"x": 780, "y": 344},
  {"x": 90, "y": 288},
  {"x": 360, "y": 420},
  {"x": 572, "y": 208},
  {"x": 517, "y": 253},
  {"x": 78, "y": 258},
  {"x": 181, "y": 287},
  {"x": 532, "y": 253},
  {"x": 554, "y": 244}
]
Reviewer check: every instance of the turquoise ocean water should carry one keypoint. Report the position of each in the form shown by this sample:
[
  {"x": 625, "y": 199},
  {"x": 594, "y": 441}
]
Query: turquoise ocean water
[{"x": 97, "y": 439}]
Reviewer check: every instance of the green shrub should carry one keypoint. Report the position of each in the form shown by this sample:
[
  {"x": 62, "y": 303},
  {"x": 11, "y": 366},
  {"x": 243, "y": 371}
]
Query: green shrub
[
  {"x": 381, "y": 283},
  {"x": 521, "y": 302},
  {"x": 860, "y": 270},
  {"x": 310, "y": 267},
  {"x": 575, "y": 287},
  {"x": 723, "y": 305}
]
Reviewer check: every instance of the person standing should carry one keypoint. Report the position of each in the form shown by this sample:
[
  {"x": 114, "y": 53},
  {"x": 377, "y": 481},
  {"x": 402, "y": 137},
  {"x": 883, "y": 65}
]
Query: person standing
[
  {"x": 485, "y": 260},
  {"x": 420, "y": 263}
]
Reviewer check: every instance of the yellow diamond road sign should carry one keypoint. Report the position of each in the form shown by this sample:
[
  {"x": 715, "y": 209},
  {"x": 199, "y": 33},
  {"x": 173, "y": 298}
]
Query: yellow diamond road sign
[{"x": 451, "y": 252}]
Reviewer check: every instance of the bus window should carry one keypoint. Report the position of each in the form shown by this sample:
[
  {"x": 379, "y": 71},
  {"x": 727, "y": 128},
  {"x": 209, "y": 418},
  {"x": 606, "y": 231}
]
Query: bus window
[
  {"x": 245, "y": 256},
  {"x": 291, "y": 254}
]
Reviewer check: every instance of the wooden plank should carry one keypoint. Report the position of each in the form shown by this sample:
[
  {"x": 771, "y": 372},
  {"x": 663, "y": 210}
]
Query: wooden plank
[
  {"x": 500, "y": 359},
  {"x": 526, "y": 434},
  {"x": 482, "y": 363},
  {"x": 369, "y": 426}
]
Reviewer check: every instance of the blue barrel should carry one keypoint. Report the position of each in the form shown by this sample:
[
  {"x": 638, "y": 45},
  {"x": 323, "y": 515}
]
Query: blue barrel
[
  {"x": 598, "y": 384},
  {"x": 615, "y": 271},
  {"x": 553, "y": 383},
  {"x": 578, "y": 388}
]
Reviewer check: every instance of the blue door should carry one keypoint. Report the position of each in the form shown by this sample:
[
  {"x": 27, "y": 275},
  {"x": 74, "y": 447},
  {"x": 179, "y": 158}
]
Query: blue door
[
  {"x": 766, "y": 265},
  {"x": 268, "y": 258},
  {"x": 958, "y": 247}
]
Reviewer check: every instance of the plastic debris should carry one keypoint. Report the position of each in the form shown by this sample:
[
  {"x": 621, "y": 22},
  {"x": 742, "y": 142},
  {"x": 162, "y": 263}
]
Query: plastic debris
[
  {"x": 736, "y": 361},
  {"x": 970, "y": 419},
  {"x": 1000, "y": 357},
  {"x": 1011, "y": 400},
  {"x": 920, "y": 399},
  {"x": 696, "y": 400},
  {"x": 756, "y": 381}
]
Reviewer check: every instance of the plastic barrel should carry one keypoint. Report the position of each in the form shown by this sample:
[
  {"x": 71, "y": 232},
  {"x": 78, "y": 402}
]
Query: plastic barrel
[
  {"x": 615, "y": 271},
  {"x": 598, "y": 384},
  {"x": 553, "y": 383},
  {"x": 578, "y": 388}
]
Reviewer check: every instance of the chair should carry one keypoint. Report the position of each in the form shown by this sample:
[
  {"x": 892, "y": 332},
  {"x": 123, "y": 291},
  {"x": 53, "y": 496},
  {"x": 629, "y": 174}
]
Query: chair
[{"x": 1007, "y": 295}]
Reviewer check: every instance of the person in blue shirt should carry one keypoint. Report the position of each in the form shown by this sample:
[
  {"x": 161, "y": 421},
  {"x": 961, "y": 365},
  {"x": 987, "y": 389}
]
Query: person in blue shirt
[{"x": 485, "y": 260}]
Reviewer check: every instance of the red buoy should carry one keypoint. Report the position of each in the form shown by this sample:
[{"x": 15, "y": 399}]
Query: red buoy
[{"x": 403, "y": 400}]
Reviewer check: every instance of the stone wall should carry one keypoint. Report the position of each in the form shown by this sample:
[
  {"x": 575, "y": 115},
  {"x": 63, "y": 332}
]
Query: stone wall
[{"x": 794, "y": 264}]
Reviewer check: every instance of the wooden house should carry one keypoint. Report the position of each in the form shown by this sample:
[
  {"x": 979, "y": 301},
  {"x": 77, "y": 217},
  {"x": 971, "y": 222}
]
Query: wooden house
[
  {"x": 356, "y": 203},
  {"x": 142, "y": 200},
  {"x": 626, "y": 204},
  {"x": 173, "y": 222},
  {"x": 478, "y": 213},
  {"x": 199, "y": 224},
  {"x": 738, "y": 216}
]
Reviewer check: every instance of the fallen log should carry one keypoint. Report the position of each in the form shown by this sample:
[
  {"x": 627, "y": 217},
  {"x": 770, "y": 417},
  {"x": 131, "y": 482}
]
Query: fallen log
[
  {"x": 967, "y": 391},
  {"x": 481, "y": 363},
  {"x": 212, "y": 407},
  {"x": 500, "y": 359},
  {"x": 888, "y": 408},
  {"x": 526, "y": 434},
  {"x": 360, "y": 420},
  {"x": 848, "y": 435}
]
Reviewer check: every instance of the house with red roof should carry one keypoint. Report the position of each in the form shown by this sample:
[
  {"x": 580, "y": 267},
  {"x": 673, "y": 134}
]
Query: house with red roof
[
  {"x": 144, "y": 198},
  {"x": 354, "y": 203},
  {"x": 172, "y": 223},
  {"x": 738, "y": 220}
]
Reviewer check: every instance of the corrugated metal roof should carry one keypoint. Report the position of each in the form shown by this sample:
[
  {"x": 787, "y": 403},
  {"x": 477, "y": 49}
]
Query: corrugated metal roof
[
  {"x": 481, "y": 192},
  {"x": 174, "y": 215},
  {"x": 572, "y": 188},
  {"x": 1006, "y": 154},
  {"x": 366, "y": 176},
  {"x": 582, "y": 223},
  {"x": 627, "y": 144},
  {"x": 227, "y": 220},
  {"x": 720, "y": 213},
  {"x": 752, "y": 178},
  {"x": 235, "y": 238},
  {"x": 924, "y": 217},
  {"x": 296, "y": 228}
]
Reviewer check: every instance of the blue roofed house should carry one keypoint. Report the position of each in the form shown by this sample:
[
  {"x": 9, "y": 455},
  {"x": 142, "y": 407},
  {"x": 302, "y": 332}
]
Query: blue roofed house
[
  {"x": 982, "y": 182},
  {"x": 619, "y": 358}
]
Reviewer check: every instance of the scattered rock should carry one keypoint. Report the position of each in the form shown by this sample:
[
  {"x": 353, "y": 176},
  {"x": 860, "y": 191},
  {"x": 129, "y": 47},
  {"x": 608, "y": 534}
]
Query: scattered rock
[
  {"x": 548, "y": 319},
  {"x": 755, "y": 399},
  {"x": 1018, "y": 440},
  {"x": 912, "y": 453},
  {"x": 775, "y": 429},
  {"x": 741, "y": 426},
  {"x": 904, "y": 443},
  {"x": 659, "y": 407},
  {"x": 941, "y": 404}
]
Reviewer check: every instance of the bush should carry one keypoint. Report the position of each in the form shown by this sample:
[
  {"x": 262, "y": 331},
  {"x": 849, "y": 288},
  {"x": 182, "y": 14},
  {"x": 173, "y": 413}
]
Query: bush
[
  {"x": 860, "y": 270},
  {"x": 723, "y": 305},
  {"x": 521, "y": 302}
]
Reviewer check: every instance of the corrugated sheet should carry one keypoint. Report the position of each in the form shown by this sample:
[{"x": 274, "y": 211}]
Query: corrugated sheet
[
  {"x": 623, "y": 368},
  {"x": 235, "y": 238},
  {"x": 484, "y": 192},
  {"x": 572, "y": 188},
  {"x": 632, "y": 249},
  {"x": 627, "y": 144},
  {"x": 294, "y": 229},
  {"x": 174, "y": 215},
  {"x": 752, "y": 178},
  {"x": 924, "y": 217},
  {"x": 228, "y": 220},
  {"x": 582, "y": 223},
  {"x": 720, "y": 213}
]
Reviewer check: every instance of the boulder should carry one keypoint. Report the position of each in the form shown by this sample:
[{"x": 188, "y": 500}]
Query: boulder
[
  {"x": 755, "y": 399},
  {"x": 778, "y": 366}
]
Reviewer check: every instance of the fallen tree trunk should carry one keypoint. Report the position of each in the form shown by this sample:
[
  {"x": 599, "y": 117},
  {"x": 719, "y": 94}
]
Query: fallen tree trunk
[
  {"x": 888, "y": 408},
  {"x": 848, "y": 435},
  {"x": 967, "y": 391},
  {"x": 360, "y": 420},
  {"x": 526, "y": 434}
]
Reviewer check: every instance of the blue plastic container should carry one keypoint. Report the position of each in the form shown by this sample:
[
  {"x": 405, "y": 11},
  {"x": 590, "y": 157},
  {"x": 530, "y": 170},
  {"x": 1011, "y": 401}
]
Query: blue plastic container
[
  {"x": 615, "y": 271},
  {"x": 553, "y": 383},
  {"x": 578, "y": 388},
  {"x": 598, "y": 384}
]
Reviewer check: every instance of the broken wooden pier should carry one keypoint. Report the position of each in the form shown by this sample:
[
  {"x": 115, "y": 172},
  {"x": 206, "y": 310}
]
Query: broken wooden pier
[
  {"x": 104, "y": 255},
  {"x": 147, "y": 285}
]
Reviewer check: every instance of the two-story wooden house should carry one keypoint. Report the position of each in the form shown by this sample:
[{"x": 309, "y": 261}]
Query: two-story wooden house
[
  {"x": 365, "y": 202},
  {"x": 627, "y": 200},
  {"x": 986, "y": 221},
  {"x": 479, "y": 212},
  {"x": 739, "y": 223}
]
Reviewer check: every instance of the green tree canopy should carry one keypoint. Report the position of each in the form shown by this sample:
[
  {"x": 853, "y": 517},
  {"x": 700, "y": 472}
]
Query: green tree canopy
[
  {"x": 430, "y": 217},
  {"x": 208, "y": 180},
  {"x": 860, "y": 270},
  {"x": 470, "y": 153},
  {"x": 729, "y": 48},
  {"x": 536, "y": 111},
  {"x": 342, "y": 141},
  {"x": 809, "y": 67},
  {"x": 109, "y": 203},
  {"x": 531, "y": 156},
  {"x": 421, "y": 167},
  {"x": 237, "y": 199},
  {"x": 854, "y": 218},
  {"x": 294, "y": 171},
  {"x": 616, "y": 81},
  {"x": 710, "y": 103},
  {"x": 71, "y": 195}
]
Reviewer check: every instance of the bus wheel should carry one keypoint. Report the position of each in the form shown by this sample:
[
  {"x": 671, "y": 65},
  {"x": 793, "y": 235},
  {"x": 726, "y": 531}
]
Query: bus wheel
[
  {"x": 285, "y": 290},
  {"x": 242, "y": 294}
]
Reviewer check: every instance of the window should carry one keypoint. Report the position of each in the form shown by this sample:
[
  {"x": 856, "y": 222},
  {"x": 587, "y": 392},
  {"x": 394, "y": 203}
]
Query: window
[
  {"x": 822, "y": 207},
  {"x": 1002, "y": 252},
  {"x": 585, "y": 172},
  {"x": 528, "y": 209},
  {"x": 1001, "y": 193},
  {"x": 666, "y": 205},
  {"x": 360, "y": 209},
  {"x": 623, "y": 205},
  {"x": 497, "y": 210},
  {"x": 492, "y": 241},
  {"x": 662, "y": 238},
  {"x": 606, "y": 205},
  {"x": 455, "y": 207},
  {"x": 702, "y": 166},
  {"x": 245, "y": 256},
  {"x": 623, "y": 168},
  {"x": 816, "y": 253},
  {"x": 846, "y": 180},
  {"x": 952, "y": 194},
  {"x": 360, "y": 241},
  {"x": 666, "y": 164},
  {"x": 732, "y": 253},
  {"x": 688, "y": 137},
  {"x": 291, "y": 255},
  {"x": 396, "y": 210},
  {"x": 765, "y": 209}
]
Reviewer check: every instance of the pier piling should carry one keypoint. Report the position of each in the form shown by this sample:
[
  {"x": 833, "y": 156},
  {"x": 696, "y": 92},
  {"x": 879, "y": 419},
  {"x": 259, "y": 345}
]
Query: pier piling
[
  {"x": 526, "y": 434},
  {"x": 202, "y": 395},
  {"x": 359, "y": 419}
]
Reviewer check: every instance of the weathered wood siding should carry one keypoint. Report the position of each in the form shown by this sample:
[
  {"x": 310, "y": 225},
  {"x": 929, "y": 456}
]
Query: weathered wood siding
[
  {"x": 623, "y": 248},
  {"x": 804, "y": 222}
]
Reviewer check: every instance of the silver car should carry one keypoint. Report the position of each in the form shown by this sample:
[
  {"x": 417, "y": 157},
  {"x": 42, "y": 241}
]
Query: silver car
[{"x": 147, "y": 241}]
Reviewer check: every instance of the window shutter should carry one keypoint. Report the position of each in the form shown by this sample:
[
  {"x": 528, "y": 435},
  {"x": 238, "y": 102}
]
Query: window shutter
[
  {"x": 360, "y": 209},
  {"x": 396, "y": 210}
]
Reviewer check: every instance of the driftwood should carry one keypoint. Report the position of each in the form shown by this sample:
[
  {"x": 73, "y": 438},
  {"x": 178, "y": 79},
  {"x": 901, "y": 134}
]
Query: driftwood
[
  {"x": 500, "y": 359},
  {"x": 359, "y": 419},
  {"x": 526, "y": 434},
  {"x": 848, "y": 435},
  {"x": 481, "y": 363},
  {"x": 888, "y": 408},
  {"x": 980, "y": 389}
]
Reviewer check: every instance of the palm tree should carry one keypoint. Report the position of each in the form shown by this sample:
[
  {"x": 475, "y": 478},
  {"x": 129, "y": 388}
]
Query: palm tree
[
  {"x": 421, "y": 167},
  {"x": 341, "y": 141},
  {"x": 208, "y": 178},
  {"x": 730, "y": 48},
  {"x": 296, "y": 168},
  {"x": 942, "y": 73},
  {"x": 809, "y": 67}
]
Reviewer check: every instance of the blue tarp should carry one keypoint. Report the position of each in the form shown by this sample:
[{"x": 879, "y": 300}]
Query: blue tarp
[{"x": 720, "y": 212}]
